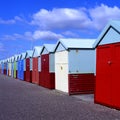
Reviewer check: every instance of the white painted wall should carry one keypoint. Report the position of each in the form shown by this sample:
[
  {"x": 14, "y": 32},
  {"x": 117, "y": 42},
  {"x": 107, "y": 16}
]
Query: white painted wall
[
  {"x": 95, "y": 63},
  {"x": 39, "y": 63},
  {"x": 24, "y": 64},
  {"x": 31, "y": 64},
  {"x": 61, "y": 71},
  {"x": 81, "y": 61},
  {"x": 10, "y": 68},
  {"x": 51, "y": 62},
  {"x": 61, "y": 57},
  {"x": 111, "y": 37},
  {"x": 60, "y": 47}
]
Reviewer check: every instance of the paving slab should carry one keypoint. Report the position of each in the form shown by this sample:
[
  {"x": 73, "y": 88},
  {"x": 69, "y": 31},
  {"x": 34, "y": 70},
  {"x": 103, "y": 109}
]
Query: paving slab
[{"x": 85, "y": 97}]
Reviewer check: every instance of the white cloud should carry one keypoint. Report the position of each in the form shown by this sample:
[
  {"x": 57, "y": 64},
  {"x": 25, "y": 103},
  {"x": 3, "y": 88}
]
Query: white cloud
[
  {"x": 12, "y": 37},
  {"x": 46, "y": 35},
  {"x": 17, "y": 18},
  {"x": 12, "y": 21},
  {"x": 65, "y": 21},
  {"x": 100, "y": 15},
  {"x": 82, "y": 18},
  {"x": 70, "y": 34},
  {"x": 62, "y": 18},
  {"x": 28, "y": 36},
  {"x": 37, "y": 35}
]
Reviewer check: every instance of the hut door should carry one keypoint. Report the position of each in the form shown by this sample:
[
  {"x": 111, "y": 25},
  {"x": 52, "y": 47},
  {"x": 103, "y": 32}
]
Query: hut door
[
  {"x": 22, "y": 70},
  {"x": 45, "y": 62},
  {"x": 28, "y": 69},
  {"x": 103, "y": 74},
  {"x": 116, "y": 75},
  {"x": 62, "y": 77},
  {"x": 45, "y": 70},
  {"x": 108, "y": 74},
  {"x": 35, "y": 71}
]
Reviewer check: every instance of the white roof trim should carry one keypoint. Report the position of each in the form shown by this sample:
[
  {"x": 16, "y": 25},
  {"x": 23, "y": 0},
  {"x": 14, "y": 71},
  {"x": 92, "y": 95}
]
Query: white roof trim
[
  {"x": 114, "y": 24},
  {"x": 36, "y": 51},
  {"x": 49, "y": 48},
  {"x": 75, "y": 43}
]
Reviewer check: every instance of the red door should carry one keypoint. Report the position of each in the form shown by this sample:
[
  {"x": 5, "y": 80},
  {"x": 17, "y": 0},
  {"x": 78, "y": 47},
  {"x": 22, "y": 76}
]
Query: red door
[
  {"x": 103, "y": 74},
  {"x": 35, "y": 73},
  {"x": 107, "y": 75},
  {"x": 28, "y": 70},
  {"x": 116, "y": 76},
  {"x": 45, "y": 70}
]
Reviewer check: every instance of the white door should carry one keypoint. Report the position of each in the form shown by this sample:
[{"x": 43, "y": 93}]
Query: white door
[{"x": 61, "y": 71}]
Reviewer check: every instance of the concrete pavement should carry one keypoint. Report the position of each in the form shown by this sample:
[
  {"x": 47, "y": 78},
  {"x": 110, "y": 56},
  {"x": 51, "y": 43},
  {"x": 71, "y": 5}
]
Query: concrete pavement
[{"x": 20, "y": 100}]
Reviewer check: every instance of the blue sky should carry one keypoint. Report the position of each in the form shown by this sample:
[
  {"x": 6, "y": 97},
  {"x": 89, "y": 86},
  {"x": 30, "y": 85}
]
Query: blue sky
[{"x": 28, "y": 23}]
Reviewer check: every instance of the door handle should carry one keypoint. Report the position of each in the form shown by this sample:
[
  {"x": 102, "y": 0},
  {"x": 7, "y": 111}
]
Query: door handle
[{"x": 109, "y": 62}]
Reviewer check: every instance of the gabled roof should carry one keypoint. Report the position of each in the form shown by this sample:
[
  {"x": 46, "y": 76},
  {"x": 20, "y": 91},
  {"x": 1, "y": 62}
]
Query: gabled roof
[
  {"x": 75, "y": 43},
  {"x": 48, "y": 47},
  {"x": 15, "y": 57},
  {"x": 12, "y": 58},
  {"x": 2, "y": 61},
  {"x": 112, "y": 24},
  {"x": 29, "y": 53},
  {"x": 7, "y": 59},
  {"x": 22, "y": 56},
  {"x": 18, "y": 57},
  {"x": 36, "y": 51}
]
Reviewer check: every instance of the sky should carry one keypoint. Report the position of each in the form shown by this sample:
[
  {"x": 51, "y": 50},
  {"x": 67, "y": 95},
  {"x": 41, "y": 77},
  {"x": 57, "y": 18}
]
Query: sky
[{"x": 28, "y": 23}]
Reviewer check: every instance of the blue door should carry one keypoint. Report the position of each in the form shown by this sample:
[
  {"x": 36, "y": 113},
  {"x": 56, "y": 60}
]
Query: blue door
[
  {"x": 18, "y": 74},
  {"x": 22, "y": 70}
]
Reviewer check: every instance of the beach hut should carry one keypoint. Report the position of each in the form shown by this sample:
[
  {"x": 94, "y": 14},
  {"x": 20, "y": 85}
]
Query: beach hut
[
  {"x": 17, "y": 62},
  {"x": 9, "y": 67},
  {"x": 2, "y": 66},
  {"x": 12, "y": 66},
  {"x": 28, "y": 57},
  {"x": 75, "y": 66},
  {"x": 35, "y": 73},
  {"x": 15, "y": 66},
  {"x": 108, "y": 66},
  {"x": 22, "y": 66},
  {"x": 47, "y": 74},
  {"x": 5, "y": 67},
  {"x": 18, "y": 66}
]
